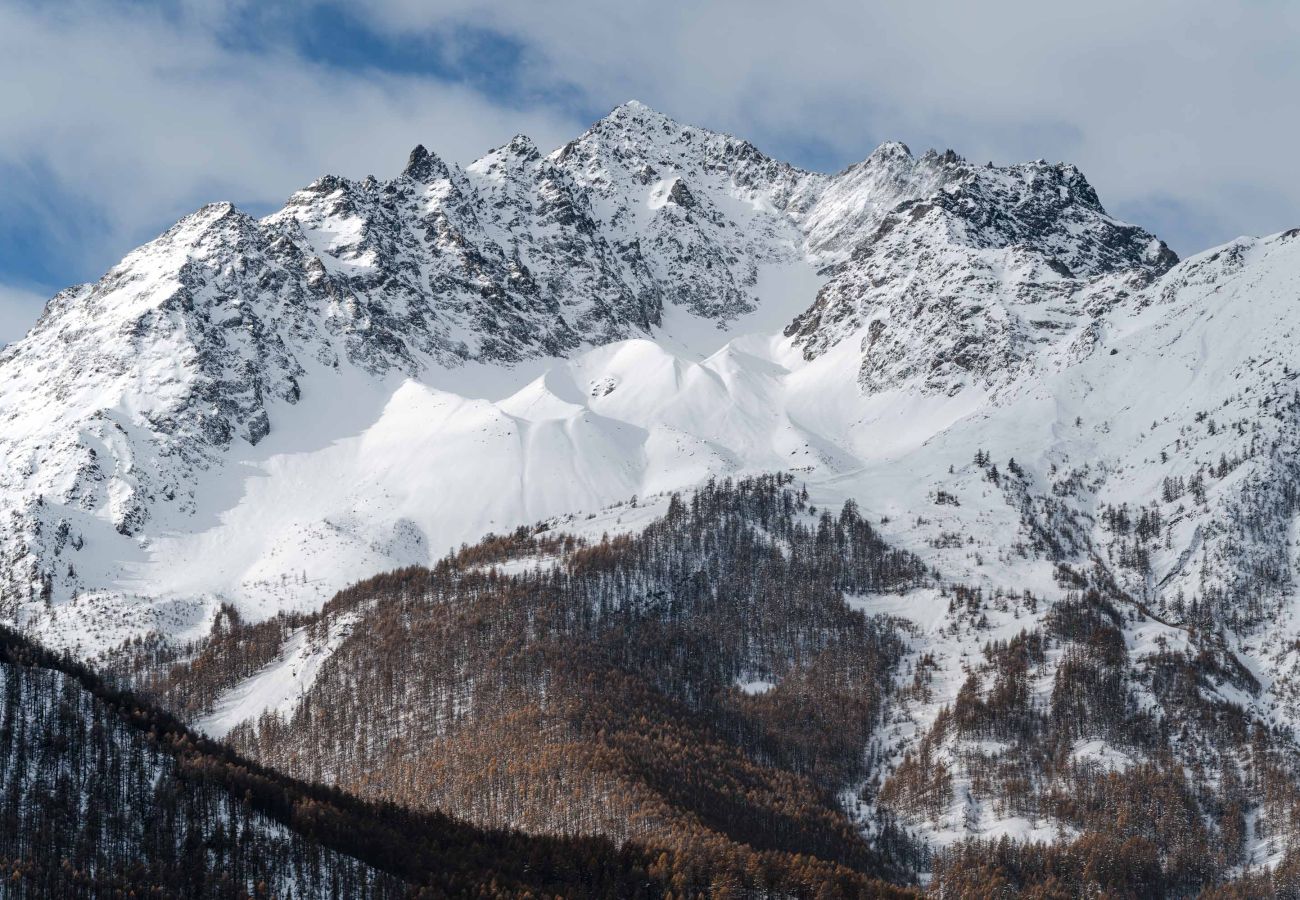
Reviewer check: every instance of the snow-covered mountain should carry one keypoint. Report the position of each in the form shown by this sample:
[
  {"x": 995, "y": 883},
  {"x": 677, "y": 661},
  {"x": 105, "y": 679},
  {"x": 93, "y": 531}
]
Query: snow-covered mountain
[
  {"x": 383, "y": 369},
  {"x": 259, "y": 412}
]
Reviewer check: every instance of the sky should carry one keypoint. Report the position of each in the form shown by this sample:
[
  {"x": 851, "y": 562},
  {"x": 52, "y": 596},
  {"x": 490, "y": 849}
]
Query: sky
[{"x": 117, "y": 117}]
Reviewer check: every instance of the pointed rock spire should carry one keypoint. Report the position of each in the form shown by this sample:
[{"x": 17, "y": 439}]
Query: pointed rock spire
[{"x": 422, "y": 165}]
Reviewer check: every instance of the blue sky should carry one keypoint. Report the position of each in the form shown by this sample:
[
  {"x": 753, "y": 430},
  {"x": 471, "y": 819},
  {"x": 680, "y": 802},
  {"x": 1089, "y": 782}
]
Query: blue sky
[{"x": 119, "y": 116}]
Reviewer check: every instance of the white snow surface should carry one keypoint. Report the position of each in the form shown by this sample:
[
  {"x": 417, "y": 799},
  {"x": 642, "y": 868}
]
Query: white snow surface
[{"x": 279, "y": 686}]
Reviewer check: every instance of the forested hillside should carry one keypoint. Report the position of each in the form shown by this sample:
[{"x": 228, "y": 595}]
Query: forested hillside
[
  {"x": 699, "y": 687},
  {"x": 720, "y": 685},
  {"x": 103, "y": 795}
]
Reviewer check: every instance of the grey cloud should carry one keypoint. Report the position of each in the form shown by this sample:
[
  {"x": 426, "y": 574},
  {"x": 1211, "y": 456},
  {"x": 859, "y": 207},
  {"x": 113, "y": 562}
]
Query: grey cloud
[
  {"x": 142, "y": 117},
  {"x": 18, "y": 310}
]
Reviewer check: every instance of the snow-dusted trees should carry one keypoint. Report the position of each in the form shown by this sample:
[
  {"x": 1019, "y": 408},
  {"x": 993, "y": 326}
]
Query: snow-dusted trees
[{"x": 103, "y": 795}]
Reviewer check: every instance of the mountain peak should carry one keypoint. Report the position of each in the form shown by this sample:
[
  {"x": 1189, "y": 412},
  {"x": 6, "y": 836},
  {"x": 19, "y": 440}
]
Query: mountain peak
[
  {"x": 507, "y": 160},
  {"x": 210, "y": 213},
  {"x": 522, "y": 145},
  {"x": 891, "y": 150},
  {"x": 635, "y": 114},
  {"x": 635, "y": 108},
  {"x": 199, "y": 225},
  {"x": 422, "y": 165}
]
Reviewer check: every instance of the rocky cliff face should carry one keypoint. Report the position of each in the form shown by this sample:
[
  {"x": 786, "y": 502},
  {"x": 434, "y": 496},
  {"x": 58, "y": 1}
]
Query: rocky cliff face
[{"x": 971, "y": 270}]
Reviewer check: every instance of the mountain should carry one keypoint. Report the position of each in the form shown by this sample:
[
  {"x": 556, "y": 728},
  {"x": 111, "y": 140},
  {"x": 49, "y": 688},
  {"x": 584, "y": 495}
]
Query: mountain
[
  {"x": 155, "y": 420},
  {"x": 1087, "y": 446}
]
